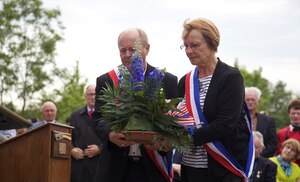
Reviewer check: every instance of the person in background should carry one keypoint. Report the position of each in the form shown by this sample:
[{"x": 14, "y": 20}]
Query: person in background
[
  {"x": 287, "y": 170},
  {"x": 6, "y": 134},
  {"x": 264, "y": 170},
  {"x": 86, "y": 144},
  {"x": 293, "y": 129},
  {"x": 260, "y": 122},
  {"x": 126, "y": 161},
  {"x": 48, "y": 111},
  {"x": 34, "y": 119},
  {"x": 177, "y": 166},
  {"x": 214, "y": 95}
]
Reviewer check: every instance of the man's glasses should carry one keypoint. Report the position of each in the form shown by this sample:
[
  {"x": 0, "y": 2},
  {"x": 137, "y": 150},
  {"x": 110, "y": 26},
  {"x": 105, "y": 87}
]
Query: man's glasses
[
  {"x": 192, "y": 45},
  {"x": 90, "y": 95}
]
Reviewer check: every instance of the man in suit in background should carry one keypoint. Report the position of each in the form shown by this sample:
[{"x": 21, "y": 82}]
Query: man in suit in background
[
  {"x": 260, "y": 122},
  {"x": 86, "y": 145},
  {"x": 126, "y": 161},
  {"x": 264, "y": 170},
  {"x": 48, "y": 111}
]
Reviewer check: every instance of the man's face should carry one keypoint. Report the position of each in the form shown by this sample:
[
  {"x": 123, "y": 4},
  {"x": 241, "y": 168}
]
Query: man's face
[
  {"x": 49, "y": 112},
  {"x": 127, "y": 47},
  {"x": 294, "y": 115},
  {"x": 251, "y": 101},
  {"x": 90, "y": 96},
  {"x": 258, "y": 146}
]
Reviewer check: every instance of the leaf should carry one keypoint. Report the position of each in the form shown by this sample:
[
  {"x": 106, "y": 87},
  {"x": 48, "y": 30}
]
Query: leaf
[{"x": 138, "y": 122}]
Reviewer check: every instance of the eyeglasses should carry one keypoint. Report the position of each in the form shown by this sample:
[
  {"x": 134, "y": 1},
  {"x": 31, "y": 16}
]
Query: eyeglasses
[
  {"x": 192, "y": 45},
  {"x": 91, "y": 95}
]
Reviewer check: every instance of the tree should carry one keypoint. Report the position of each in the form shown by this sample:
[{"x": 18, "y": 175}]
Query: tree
[
  {"x": 70, "y": 97},
  {"x": 28, "y": 36},
  {"x": 255, "y": 79},
  {"x": 279, "y": 102},
  {"x": 274, "y": 99}
]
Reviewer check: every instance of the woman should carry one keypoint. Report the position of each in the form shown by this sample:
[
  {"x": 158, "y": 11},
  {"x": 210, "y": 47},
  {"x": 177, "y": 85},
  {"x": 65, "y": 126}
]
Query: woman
[
  {"x": 217, "y": 90},
  {"x": 287, "y": 170}
]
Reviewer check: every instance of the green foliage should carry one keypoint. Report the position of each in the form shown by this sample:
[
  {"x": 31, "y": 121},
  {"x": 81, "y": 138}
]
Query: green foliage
[
  {"x": 143, "y": 109},
  {"x": 70, "y": 96},
  {"x": 28, "y": 37},
  {"x": 274, "y": 99},
  {"x": 279, "y": 102}
]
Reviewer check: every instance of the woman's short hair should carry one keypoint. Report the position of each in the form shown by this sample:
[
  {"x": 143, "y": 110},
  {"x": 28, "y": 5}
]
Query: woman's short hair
[
  {"x": 294, "y": 104},
  {"x": 206, "y": 27},
  {"x": 295, "y": 144}
]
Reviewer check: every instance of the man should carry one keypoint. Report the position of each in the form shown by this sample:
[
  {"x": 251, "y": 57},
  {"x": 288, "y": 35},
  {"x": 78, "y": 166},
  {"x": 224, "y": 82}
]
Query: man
[
  {"x": 126, "y": 161},
  {"x": 292, "y": 130},
  {"x": 264, "y": 170},
  {"x": 48, "y": 111},
  {"x": 260, "y": 122},
  {"x": 86, "y": 145}
]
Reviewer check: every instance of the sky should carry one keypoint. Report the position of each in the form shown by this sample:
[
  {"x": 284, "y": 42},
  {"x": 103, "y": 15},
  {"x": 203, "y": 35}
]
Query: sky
[{"x": 258, "y": 33}]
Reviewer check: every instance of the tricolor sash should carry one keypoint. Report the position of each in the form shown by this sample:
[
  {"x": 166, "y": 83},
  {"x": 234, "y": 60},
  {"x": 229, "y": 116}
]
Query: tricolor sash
[
  {"x": 160, "y": 161},
  {"x": 215, "y": 149}
]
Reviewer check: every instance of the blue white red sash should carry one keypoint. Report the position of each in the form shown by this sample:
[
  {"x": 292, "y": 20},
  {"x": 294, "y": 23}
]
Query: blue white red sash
[
  {"x": 215, "y": 149},
  {"x": 160, "y": 161}
]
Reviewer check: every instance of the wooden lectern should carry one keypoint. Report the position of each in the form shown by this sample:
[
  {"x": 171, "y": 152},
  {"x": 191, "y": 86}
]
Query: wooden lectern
[{"x": 42, "y": 154}]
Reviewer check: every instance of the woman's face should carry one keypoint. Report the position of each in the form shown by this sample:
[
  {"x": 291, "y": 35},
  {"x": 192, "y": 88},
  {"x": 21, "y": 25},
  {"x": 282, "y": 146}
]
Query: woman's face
[
  {"x": 288, "y": 153},
  {"x": 197, "y": 49}
]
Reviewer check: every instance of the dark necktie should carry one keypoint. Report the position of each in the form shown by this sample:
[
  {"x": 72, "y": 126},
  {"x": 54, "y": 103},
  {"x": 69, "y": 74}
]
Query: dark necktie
[
  {"x": 296, "y": 128},
  {"x": 90, "y": 113}
]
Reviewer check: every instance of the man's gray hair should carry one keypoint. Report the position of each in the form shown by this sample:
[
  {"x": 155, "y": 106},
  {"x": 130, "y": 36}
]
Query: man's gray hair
[
  {"x": 87, "y": 87},
  {"x": 259, "y": 136},
  {"x": 254, "y": 90}
]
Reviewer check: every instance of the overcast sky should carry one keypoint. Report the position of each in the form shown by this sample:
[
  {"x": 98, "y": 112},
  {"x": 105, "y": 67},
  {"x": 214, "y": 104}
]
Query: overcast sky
[{"x": 259, "y": 33}]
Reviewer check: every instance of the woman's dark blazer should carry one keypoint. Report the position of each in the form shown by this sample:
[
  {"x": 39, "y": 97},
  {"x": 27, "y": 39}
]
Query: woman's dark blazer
[
  {"x": 113, "y": 159},
  {"x": 223, "y": 110}
]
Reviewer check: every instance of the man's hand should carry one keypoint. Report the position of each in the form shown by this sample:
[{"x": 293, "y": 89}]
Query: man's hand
[
  {"x": 177, "y": 168},
  {"x": 92, "y": 150},
  {"x": 119, "y": 139},
  {"x": 77, "y": 153}
]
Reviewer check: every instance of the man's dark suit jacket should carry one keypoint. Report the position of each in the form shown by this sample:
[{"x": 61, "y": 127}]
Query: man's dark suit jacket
[
  {"x": 83, "y": 135},
  {"x": 266, "y": 126},
  {"x": 113, "y": 159},
  {"x": 264, "y": 170},
  {"x": 223, "y": 110}
]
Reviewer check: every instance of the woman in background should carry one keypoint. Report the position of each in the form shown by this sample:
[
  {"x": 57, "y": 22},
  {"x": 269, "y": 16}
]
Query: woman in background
[{"x": 287, "y": 170}]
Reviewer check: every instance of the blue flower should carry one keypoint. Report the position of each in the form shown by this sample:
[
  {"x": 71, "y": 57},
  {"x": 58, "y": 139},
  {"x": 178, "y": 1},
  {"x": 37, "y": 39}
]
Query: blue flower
[
  {"x": 137, "y": 73},
  {"x": 154, "y": 82}
]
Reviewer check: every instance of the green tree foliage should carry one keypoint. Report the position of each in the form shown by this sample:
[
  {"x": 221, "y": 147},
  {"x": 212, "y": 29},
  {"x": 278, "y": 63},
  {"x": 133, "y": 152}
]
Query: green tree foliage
[
  {"x": 28, "y": 37},
  {"x": 71, "y": 96},
  {"x": 279, "y": 102},
  {"x": 274, "y": 99}
]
